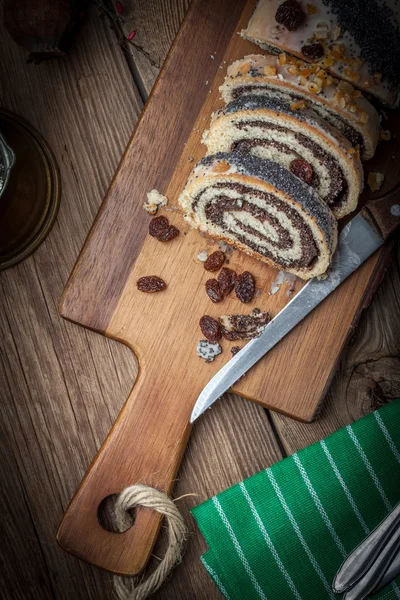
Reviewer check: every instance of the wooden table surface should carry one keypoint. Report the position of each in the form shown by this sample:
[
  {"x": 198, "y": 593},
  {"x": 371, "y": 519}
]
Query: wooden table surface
[{"x": 61, "y": 386}]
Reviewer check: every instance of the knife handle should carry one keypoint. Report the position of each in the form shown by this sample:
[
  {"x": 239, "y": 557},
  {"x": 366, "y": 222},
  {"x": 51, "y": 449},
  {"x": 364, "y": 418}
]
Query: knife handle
[{"x": 384, "y": 213}]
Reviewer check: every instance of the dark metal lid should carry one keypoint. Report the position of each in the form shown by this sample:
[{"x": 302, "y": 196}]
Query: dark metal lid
[{"x": 30, "y": 200}]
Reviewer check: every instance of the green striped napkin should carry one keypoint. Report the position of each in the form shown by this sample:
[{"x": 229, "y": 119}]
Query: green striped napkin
[{"x": 283, "y": 533}]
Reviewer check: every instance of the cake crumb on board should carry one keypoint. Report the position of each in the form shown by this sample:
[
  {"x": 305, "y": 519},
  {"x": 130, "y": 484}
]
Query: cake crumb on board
[
  {"x": 154, "y": 200},
  {"x": 208, "y": 350}
]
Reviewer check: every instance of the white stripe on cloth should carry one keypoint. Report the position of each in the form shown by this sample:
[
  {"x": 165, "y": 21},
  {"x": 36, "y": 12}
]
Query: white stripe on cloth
[
  {"x": 239, "y": 550},
  {"x": 217, "y": 580},
  {"x": 374, "y": 475},
  {"x": 387, "y": 436},
  {"x": 345, "y": 488},
  {"x": 300, "y": 535},
  {"x": 369, "y": 467},
  {"x": 269, "y": 542},
  {"x": 319, "y": 506},
  {"x": 351, "y": 499}
]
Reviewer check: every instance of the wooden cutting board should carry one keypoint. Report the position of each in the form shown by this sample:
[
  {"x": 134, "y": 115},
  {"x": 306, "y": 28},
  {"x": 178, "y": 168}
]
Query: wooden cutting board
[{"x": 149, "y": 437}]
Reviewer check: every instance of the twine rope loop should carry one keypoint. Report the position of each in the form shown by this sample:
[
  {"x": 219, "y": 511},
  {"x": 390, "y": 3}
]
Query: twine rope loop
[{"x": 148, "y": 497}]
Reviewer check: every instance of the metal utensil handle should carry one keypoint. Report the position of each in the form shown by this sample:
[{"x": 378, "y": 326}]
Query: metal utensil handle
[
  {"x": 360, "y": 560},
  {"x": 369, "y": 581}
]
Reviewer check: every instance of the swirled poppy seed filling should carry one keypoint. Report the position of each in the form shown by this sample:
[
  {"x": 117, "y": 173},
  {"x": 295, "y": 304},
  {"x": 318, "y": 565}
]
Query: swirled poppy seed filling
[{"x": 219, "y": 206}]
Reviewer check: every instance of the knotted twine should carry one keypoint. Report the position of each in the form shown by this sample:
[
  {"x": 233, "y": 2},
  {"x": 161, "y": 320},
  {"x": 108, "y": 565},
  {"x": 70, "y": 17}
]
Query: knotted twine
[{"x": 142, "y": 495}]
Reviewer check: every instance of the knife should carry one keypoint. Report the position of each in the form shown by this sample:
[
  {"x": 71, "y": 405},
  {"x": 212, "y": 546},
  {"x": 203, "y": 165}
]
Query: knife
[{"x": 360, "y": 238}]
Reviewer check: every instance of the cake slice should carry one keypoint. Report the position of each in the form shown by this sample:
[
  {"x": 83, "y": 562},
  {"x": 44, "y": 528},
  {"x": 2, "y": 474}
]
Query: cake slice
[
  {"x": 357, "y": 40},
  {"x": 298, "y": 139},
  {"x": 263, "y": 209},
  {"x": 292, "y": 80}
]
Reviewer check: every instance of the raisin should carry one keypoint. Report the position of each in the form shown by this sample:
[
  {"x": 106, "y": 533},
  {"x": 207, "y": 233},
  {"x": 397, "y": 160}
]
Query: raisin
[
  {"x": 245, "y": 287},
  {"x": 302, "y": 169},
  {"x": 210, "y": 328},
  {"x": 160, "y": 228},
  {"x": 213, "y": 290},
  {"x": 235, "y": 350},
  {"x": 215, "y": 261},
  {"x": 313, "y": 51},
  {"x": 226, "y": 280},
  {"x": 290, "y": 14},
  {"x": 150, "y": 284},
  {"x": 172, "y": 233}
]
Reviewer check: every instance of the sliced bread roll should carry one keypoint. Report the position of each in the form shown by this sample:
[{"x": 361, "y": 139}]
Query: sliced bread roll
[
  {"x": 292, "y": 80},
  {"x": 261, "y": 208},
  {"x": 269, "y": 128},
  {"x": 357, "y": 39}
]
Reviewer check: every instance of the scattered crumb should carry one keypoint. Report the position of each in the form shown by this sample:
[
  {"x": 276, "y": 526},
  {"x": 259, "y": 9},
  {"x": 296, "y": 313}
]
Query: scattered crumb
[
  {"x": 208, "y": 350},
  {"x": 202, "y": 256},
  {"x": 154, "y": 200},
  {"x": 258, "y": 293},
  {"x": 336, "y": 33},
  {"x": 212, "y": 56},
  {"x": 235, "y": 350},
  {"x": 375, "y": 181},
  {"x": 385, "y": 135},
  {"x": 244, "y": 327},
  {"x": 227, "y": 250},
  {"x": 280, "y": 279},
  {"x": 322, "y": 277},
  {"x": 190, "y": 158},
  {"x": 207, "y": 82}
]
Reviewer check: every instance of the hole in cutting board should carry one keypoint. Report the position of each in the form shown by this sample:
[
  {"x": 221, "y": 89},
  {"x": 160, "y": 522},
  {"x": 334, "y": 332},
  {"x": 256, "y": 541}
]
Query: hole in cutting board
[{"x": 107, "y": 519}]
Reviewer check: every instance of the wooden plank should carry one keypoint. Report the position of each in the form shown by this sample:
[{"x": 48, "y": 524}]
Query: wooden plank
[
  {"x": 121, "y": 225},
  {"x": 61, "y": 387},
  {"x": 369, "y": 373},
  {"x": 56, "y": 379},
  {"x": 155, "y": 24},
  {"x": 161, "y": 425},
  {"x": 232, "y": 441},
  {"x": 99, "y": 372},
  {"x": 102, "y": 294}
]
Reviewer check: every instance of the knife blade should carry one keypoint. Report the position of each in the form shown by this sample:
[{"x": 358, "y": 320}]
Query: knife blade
[{"x": 358, "y": 241}]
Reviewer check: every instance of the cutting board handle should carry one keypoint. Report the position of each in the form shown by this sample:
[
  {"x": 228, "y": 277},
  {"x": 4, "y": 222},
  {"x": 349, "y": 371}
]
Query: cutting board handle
[
  {"x": 384, "y": 212},
  {"x": 145, "y": 446}
]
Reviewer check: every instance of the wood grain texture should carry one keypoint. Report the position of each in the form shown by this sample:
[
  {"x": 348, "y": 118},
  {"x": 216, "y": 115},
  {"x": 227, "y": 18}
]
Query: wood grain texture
[
  {"x": 61, "y": 387},
  {"x": 56, "y": 380},
  {"x": 151, "y": 432},
  {"x": 155, "y": 24},
  {"x": 369, "y": 373},
  {"x": 385, "y": 213},
  {"x": 150, "y": 435}
]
